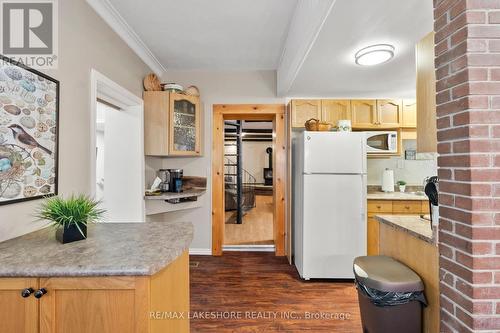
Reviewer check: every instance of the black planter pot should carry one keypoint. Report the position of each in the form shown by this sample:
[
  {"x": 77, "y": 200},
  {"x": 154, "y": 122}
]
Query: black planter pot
[{"x": 71, "y": 233}]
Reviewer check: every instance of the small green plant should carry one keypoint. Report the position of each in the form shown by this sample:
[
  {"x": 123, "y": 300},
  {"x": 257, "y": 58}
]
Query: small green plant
[
  {"x": 75, "y": 210},
  {"x": 401, "y": 183}
]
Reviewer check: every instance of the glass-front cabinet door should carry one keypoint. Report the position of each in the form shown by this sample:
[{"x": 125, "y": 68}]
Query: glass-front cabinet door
[{"x": 184, "y": 125}]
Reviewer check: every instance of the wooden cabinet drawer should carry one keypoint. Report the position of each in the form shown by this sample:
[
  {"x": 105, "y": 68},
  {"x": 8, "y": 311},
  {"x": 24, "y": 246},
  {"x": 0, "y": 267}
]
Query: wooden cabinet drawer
[
  {"x": 379, "y": 206},
  {"x": 406, "y": 207}
]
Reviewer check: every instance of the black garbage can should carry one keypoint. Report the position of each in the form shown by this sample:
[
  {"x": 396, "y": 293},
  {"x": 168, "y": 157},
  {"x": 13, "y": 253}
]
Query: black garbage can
[{"x": 391, "y": 295}]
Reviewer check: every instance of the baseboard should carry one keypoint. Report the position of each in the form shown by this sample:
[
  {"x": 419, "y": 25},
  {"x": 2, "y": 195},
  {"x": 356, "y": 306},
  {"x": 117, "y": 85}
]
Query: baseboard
[
  {"x": 200, "y": 252},
  {"x": 249, "y": 248}
]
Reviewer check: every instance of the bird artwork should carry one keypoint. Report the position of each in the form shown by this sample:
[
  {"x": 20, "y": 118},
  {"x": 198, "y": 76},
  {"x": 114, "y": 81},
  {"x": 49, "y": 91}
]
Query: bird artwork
[
  {"x": 25, "y": 140},
  {"x": 29, "y": 107}
]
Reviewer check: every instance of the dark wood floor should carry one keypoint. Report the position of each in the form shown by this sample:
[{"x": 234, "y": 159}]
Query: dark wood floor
[{"x": 254, "y": 287}]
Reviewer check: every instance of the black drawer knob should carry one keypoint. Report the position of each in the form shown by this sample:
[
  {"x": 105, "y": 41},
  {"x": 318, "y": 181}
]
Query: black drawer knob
[
  {"x": 40, "y": 292},
  {"x": 27, "y": 292}
]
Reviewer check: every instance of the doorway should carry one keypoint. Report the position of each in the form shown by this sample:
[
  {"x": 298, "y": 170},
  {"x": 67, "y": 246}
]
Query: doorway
[
  {"x": 248, "y": 185},
  {"x": 116, "y": 150},
  {"x": 239, "y": 114}
]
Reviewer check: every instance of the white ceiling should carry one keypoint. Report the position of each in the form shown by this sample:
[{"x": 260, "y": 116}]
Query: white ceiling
[
  {"x": 219, "y": 34},
  {"x": 318, "y": 50},
  {"x": 329, "y": 69}
]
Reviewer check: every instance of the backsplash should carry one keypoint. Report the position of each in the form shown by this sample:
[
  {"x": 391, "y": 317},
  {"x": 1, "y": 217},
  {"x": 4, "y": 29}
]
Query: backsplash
[{"x": 412, "y": 172}]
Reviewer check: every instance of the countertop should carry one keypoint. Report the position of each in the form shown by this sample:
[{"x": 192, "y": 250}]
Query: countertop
[
  {"x": 412, "y": 224},
  {"x": 396, "y": 196},
  {"x": 195, "y": 192},
  {"x": 110, "y": 249}
]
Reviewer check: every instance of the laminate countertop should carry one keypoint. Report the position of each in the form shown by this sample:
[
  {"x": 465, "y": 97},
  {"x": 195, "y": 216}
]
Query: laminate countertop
[
  {"x": 411, "y": 224},
  {"x": 116, "y": 249},
  {"x": 396, "y": 196}
]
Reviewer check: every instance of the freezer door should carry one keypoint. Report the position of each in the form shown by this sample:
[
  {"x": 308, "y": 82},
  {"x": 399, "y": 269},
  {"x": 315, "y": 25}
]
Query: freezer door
[
  {"x": 334, "y": 152},
  {"x": 334, "y": 225}
]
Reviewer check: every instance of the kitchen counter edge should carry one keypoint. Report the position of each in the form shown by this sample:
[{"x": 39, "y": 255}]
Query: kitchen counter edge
[{"x": 111, "y": 249}]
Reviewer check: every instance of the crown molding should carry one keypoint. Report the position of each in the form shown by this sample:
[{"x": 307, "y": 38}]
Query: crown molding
[
  {"x": 113, "y": 18},
  {"x": 307, "y": 22}
]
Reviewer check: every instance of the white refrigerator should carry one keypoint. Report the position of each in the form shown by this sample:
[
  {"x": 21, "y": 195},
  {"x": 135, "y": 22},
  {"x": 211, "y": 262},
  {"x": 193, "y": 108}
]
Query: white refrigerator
[{"x": 329, "y": 199}]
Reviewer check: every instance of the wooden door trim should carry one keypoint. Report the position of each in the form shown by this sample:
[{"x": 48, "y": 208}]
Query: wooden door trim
[{"x": 277, "y": 113}]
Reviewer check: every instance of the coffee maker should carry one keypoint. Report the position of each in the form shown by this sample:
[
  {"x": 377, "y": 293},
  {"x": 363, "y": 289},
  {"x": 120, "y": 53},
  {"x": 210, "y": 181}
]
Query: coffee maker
[
  {"x": 175, "y": 180},
  {"x": 171, "y": 180},
  {"x": 164, "y": 175}
]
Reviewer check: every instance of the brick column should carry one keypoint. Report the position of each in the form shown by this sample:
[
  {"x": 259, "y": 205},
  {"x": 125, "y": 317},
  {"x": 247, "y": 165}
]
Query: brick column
[{"x": 468, "y": 120}]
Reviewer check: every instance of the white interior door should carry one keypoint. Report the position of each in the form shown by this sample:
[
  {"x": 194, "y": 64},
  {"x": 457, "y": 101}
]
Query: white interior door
[
  {"x": 334, "y": 224},
  {"x": 330, "y": 152},
  {"x": 123, "y": 161}
]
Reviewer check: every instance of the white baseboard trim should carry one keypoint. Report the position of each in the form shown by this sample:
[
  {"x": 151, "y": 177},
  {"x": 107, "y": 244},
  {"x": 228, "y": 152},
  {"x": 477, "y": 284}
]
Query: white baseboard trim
[
  {"x": 249, "y": 248},
  {"x": 200, "y": 252}
]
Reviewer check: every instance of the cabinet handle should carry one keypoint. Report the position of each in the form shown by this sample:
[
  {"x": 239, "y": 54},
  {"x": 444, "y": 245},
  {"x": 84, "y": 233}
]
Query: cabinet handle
[
  {"x": 407, "y": 207},
  {"x": 379, "y": 207},
  {"x": 40, "y": 292},
  {"x": 27, "y": 292}
]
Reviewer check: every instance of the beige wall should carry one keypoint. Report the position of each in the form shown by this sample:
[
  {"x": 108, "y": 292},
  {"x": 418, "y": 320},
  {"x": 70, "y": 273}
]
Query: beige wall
[
  {"x": 85, "y": 42},
  {"x": 216, "y": 87}
]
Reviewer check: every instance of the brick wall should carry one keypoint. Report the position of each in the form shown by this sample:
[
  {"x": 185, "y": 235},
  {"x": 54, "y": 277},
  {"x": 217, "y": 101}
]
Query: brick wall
[{"x": 468, "y": 120}]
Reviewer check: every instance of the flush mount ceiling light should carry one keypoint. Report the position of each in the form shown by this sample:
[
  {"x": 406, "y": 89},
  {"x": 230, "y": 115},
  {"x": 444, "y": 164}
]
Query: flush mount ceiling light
[{"x": 374, "y": 54}]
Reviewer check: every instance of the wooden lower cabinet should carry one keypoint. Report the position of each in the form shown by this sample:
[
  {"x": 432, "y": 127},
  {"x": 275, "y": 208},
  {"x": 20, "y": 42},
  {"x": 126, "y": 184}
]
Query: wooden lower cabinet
[
  {"x": 18, "y": 314},
  {"x": 121, "y": 304},
  {"x": 389, "y": 207},
  {"x": 423, "y": 258}
]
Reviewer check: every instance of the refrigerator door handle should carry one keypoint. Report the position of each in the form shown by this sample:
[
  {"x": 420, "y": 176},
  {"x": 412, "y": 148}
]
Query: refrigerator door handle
[{"x": 364, "y": 202}]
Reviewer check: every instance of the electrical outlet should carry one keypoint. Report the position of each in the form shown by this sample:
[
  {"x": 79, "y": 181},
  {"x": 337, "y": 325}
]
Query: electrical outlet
[{"x": 401, "y": 164}]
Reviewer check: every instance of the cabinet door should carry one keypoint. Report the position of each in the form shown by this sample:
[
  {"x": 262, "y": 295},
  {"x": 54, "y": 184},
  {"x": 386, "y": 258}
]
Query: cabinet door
[
  {"x": 409, "y": 114},
  {"x": 389, "y": 113},
  {"x": 185, "y": 131},
  {"x": 373, "y": 237},
  {"x": 18, "y": 314},
  {"x": 303, "y": 110},
  {"x": 426, "y": 96},
  {"x": 364, "y": 113},
  {"x": 94, "y": 304},
  {"x": 156, "y": 120},
  {"x": 334, "y": 110}
]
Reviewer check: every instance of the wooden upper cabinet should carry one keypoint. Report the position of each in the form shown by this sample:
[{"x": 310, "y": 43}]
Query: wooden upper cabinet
[
  {"x": 184, "y": 125},
  {"x": 409, "y": 114},
  {"x": 389, "y": 113},
  {"x": 334, "y": 110},
  {"x": 172, "y": 124},
  {"x": 303, "y": 110},
  {"x": 426, "y": 96},
  {"x": 364, "y": 113},
  {"x": 156, "y": 122},
  {"x": 18, "y": 314}
]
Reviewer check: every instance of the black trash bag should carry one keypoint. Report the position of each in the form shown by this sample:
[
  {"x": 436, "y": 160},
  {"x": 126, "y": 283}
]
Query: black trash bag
[{"x": 391, "y": 298}]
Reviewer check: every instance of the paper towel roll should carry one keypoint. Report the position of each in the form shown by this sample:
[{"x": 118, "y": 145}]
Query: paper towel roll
[{"x": 388, "y": 180}]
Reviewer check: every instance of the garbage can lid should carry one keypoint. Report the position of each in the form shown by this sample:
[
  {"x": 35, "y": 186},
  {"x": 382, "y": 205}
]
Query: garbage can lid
[{"x": 386, "y": 274}]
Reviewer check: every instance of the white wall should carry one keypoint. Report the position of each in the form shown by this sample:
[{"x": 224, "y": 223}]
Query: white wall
[
  {"x": 411, "y": 171},
  {"x": 216, "y": 87},
  {"x": 85, "y": 42}
]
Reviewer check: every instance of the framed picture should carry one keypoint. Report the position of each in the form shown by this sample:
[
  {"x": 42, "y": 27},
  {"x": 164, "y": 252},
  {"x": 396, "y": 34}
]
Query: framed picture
[{"x": 29, "y": 120}]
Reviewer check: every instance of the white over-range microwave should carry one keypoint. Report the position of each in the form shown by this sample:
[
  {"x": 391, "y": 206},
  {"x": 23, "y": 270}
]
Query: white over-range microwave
[{"x": 380, "y": 142}]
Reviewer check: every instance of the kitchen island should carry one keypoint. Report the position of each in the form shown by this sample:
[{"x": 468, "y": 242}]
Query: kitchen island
[
  {"x": 123, "y": 278},
  {"x": 411, "y": 240}
]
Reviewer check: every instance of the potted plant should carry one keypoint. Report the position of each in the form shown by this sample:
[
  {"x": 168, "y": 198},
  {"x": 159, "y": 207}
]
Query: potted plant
[
  {"x": 402, "y": 186},
  {"x": 70, "y": 216}
]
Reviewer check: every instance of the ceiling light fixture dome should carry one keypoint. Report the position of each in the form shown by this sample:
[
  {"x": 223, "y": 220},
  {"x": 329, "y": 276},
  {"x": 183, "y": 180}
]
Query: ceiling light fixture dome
[{"x": 374, "y": 54}]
